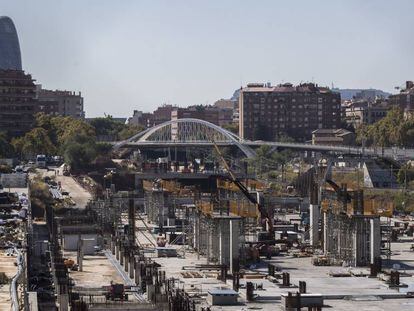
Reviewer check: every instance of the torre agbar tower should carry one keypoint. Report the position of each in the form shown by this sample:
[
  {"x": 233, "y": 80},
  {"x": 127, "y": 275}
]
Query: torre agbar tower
[{"x": 10, "y": 57}]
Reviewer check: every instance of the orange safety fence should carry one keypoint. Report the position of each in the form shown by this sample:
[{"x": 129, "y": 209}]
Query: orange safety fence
[{"x": 372, "y": 207}]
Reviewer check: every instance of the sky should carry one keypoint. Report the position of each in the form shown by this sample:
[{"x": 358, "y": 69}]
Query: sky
[{"x": 136, "y": 54}]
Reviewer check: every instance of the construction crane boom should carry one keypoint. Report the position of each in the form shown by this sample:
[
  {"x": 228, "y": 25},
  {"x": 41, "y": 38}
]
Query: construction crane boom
[{"x": 263, "y": 212}]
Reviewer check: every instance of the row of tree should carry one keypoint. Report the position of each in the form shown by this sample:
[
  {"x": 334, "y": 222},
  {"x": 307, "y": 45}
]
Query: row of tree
[
  {"x": 75, "y": 139},
  {"x": 394, "y": 129}
]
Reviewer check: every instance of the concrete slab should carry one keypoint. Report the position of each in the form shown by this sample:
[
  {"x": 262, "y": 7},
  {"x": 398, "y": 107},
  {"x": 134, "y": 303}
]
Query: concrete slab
[{"x": 97, "y": 271}]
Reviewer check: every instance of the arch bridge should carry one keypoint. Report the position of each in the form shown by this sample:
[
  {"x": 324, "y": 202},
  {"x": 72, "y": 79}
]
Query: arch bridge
[
  {"x": 188, "y": 132},
  {"x": 198, "y": 133}
]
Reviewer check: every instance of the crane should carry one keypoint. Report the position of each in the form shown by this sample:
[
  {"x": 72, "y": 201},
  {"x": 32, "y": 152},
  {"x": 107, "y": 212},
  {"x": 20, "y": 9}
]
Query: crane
[{"x": 264, "y": 214}]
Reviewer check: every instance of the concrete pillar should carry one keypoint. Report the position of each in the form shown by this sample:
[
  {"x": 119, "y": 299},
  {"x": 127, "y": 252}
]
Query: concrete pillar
[
  {"x": 234, "y": 242},
  {"x": 117, "y": 250},
  {"x": 131, "y": 267},
  {"x": 121, "y": 255},
  {"x": 63, "y": 302},
  {"x": 325, "y": 233},
  {"x": 113, "y": 245},
  {"x": 375, "y": 239},
  {"x": 314, "y": 224},
  {"x": 126, "y": 262},
  {"x": 137, "y": 272},
  {"x": 196, "y": 243},
  {"x": 222, "y": 247},
  {"x": 359, "y": 242},
  {"x": 211, "y": 243}
]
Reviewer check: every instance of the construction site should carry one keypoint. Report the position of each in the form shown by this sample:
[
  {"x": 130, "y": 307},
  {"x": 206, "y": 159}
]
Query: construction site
[
  {"x": 183, "y": 229},
  {"x": 184, "y": 237}
]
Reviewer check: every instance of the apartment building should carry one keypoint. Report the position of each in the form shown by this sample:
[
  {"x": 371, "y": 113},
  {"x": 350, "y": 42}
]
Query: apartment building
[
  {"x": 364, "y": 112},
  {"x": 267, "y": 112},
  {"x": 60, "y": 103},
  {"x": 17, "y": 102},
  {"x": 404, "y": 99}
]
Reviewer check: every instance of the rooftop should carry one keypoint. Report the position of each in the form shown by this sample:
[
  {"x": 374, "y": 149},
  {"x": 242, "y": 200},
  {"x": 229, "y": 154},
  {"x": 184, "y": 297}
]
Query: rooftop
[{"x": 287, "y": 88}]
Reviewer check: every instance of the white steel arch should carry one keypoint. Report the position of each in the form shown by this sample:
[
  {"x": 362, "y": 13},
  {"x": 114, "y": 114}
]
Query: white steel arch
[{"x": 188, "y": 130}]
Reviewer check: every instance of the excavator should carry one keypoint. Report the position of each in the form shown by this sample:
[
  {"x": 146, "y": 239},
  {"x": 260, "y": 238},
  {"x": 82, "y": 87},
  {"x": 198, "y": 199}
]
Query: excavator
[{"x": 265, "y": 216}]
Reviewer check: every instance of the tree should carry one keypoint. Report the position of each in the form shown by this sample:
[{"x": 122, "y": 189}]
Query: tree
[
  {"x": 405, "y": 175},
  {"x": 40, "y": 197},
  {"x": 34, "y": 142},
  {"x": 75, "y": 130},
  {"x": 282, "y": 158},
  {"x": 79, "y": 155},
  {"x": 263, "y": 154},
  {"x": 129, "y": 131},
  {"x": 107, "y": 126},
  {"x": 393, "y": 130},
  {"x": 6, "y": 149},
  {"x": 232, "y": 127},
  {"x": 284, "y": 138}
]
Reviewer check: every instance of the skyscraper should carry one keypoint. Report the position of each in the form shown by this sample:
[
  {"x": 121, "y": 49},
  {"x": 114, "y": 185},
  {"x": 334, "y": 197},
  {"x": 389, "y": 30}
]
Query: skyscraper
[{"x": 9, "y": 45}]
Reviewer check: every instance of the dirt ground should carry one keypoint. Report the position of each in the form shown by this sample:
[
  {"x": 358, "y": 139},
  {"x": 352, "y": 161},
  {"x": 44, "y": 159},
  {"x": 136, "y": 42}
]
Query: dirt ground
[
  {"x": 97, "y": 271},
  {"x": 7, "y": 266}
]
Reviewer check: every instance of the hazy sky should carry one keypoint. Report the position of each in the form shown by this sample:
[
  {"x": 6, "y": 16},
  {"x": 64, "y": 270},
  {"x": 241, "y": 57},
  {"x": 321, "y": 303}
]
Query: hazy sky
[{"x": 126, "y": 55}]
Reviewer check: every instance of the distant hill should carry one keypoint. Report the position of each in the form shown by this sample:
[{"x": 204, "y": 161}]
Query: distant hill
[{"x": 347, "y": 94}]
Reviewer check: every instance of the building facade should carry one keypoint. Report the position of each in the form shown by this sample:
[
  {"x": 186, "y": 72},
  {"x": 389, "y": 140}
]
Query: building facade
[
  {"x": 333, "y": 137},
  {"x": 144, "y": 119},
  {"x": 163, "y": 114},
  {"x": 405, "y": 99},
  {"x": 17, "y": 102},
  {"x": 269, "y": 112},
  {"x": 365, "y": 113},
  {"x": 60, "y": 103},
  {"x": 10, "y": 57},
  {"x": 207, "y": 113}
]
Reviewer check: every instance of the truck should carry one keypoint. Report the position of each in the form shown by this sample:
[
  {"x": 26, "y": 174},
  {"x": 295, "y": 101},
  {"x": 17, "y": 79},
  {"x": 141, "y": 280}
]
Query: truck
[{"x": 41, "y": 160}]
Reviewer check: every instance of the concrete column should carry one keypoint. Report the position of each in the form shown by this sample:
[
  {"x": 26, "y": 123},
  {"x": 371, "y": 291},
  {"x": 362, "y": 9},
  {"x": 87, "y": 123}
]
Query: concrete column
[
  {"x": 222, "y": 248},
  {"x": 196, "y": 243},
  {"x": 137, "y": 272},
  {"x": 131, "y": 266},
  {"x": 63, "y": 302},
  {"x": 117, "y": 250},
  {"x": 126, "y": 262},
  {"x": 359, "y": 243},
  {"x": 234, "y": 242},
  {"x": 113, "y": 245},
  {"x": 211, "y": 241},
  {"x": 121, "y": 256},
  {"x": 314, "y": 224},
  {"x": 375, "y": 239},
  {"x": 325, "y": 234}
]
